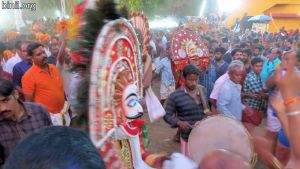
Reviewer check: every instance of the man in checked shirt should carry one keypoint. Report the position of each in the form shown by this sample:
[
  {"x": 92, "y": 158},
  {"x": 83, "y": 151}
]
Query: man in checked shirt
[
  {"x": 254, "y": 93},
  {"x": 17, "y": 118}
]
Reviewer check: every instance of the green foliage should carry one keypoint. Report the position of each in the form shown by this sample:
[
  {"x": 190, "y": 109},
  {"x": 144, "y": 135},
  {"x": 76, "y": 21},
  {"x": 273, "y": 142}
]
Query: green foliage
[
  {"x": 149, "y": 7},
  {"x": 163, "y": 7}
]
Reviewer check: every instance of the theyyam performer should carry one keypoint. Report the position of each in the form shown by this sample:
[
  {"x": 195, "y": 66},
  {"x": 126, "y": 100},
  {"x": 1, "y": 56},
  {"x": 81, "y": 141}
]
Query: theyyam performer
[{"x": 112, "y": 89}]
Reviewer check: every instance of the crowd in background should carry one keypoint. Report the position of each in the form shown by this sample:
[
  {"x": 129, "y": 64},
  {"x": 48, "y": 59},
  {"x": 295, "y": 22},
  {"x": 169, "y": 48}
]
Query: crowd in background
[{"x": 239, "y": 82}]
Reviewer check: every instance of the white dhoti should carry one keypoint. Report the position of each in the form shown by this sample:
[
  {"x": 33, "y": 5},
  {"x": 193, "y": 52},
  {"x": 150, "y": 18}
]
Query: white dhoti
[
  {"x": 63, "y": 118},
  {"x": 273, "y": 123}
]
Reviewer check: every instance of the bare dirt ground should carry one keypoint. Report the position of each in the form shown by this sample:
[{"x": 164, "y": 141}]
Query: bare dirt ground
[{"x": 161, "y": 134}]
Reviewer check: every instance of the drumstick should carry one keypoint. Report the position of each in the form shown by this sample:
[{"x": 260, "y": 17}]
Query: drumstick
[{"x": 203, "y": 100}]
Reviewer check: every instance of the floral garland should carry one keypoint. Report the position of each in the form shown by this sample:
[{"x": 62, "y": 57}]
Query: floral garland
[
  {"x": 42, "y": 37},
  {"x": 7, "y": 54},
  {"x": 12, "y": 35}
]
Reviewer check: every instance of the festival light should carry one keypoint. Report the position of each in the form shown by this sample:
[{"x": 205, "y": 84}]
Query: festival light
[
  {"x": 5, "y": 19},
  {"x": 58, "y": 13},
  {"x": 229, "y": 5},
  {"x": 163, "y": 23},
  {"x": 202, "y": 8}
]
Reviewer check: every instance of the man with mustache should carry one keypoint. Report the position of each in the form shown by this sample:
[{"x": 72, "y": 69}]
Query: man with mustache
[
  {"x": 43, "y": 84},
  {"x": 229, "y": 99},
  {"x": 17, "y": 118},
  {"x": 188, "y": 102}
]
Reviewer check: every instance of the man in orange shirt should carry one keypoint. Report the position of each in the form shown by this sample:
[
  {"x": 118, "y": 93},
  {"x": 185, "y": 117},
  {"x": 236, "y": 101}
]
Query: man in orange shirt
[{"x": 43, "y": 84}]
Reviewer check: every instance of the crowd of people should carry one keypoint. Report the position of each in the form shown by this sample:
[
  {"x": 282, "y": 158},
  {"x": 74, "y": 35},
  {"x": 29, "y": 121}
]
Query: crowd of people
[
  {"x": 239, "y": 83},
  {"x": 38, "y": 89},
  {"x": 251, "y": 76}
]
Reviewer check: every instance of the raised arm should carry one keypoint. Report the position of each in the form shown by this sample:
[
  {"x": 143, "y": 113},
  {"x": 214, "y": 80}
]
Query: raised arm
[
  {"x": 61, "y": 53},
  {"x": 289, "y": 87}
]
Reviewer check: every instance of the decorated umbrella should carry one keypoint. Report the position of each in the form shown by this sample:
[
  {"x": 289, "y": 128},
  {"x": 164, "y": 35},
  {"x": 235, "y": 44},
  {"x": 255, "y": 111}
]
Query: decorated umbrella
[
  {"x": 260, "y": 18},
  {"x": 187, "y": 47}
]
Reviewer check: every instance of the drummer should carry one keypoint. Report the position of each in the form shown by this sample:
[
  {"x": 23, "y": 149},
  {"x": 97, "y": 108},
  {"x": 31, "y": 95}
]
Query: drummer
[{"x": 187, "y": 103}]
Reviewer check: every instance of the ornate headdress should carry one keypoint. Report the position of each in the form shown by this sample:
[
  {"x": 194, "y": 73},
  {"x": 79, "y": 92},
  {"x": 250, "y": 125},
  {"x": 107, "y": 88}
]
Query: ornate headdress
[
  {"x": 110, "y": 46},
  {"x": 187, "y": 48}
]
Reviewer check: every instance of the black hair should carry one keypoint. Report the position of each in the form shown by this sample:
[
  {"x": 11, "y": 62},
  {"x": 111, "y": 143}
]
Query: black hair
[
  {"x": 32, "y": 47},
  {"x": 256, "y": 40},
  {"x": 7, "y": 87},
  {"x": 221, "y": 50},
  {"x": 159, "y": 50},
  {"x": 234, "y": 51},
  {"x": 298, "y": 55},
  {"x": 260, "y": 48},
  {"x": 225, "y": 40},
  {"x": 243, "y": 45},
  {"x": 190, "y": 69},
  {"x": 248, "y": 52},
  {"x": 290, "y": 40},
  {"x": 207, "y": 38},
  {"x": 214, "y": 41},
  {"x": 55, "y": 147},
  {"x": 279, "y": 51},
  {"x": 256, "y": 60},
  {"x": 2, "y": 48},
  {"x": 82, "y": 106},
  {"x": 18, "y": 44}
]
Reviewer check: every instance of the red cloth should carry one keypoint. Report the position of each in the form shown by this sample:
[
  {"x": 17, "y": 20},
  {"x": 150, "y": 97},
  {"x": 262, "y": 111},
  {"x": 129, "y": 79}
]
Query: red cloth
[
  {"x": 180, "y": 82},
  {"x": 78, "y": 59},
  {"x": 80, "y": 8},
  {"x": 253, "y": 117},
  {"x": 5, "y": 75}
]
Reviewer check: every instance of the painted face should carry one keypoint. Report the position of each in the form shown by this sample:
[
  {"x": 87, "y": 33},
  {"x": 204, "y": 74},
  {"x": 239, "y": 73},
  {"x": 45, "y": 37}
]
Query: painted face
[
  {"x": 130, "y": 103},
  {"x": 191, "y": 48}
]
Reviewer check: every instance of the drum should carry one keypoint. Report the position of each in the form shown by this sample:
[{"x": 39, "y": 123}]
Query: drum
[{"x": 220, "y": 132}]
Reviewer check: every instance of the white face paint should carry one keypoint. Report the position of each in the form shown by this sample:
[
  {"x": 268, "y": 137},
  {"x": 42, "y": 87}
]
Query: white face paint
[{"x": 131, "y": 106}]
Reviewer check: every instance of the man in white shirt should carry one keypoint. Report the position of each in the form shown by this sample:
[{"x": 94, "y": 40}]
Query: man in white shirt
[
  {"x": 153, "y": 49},
  {"x": 21, "y": 52},
  {"x": 236, "y": 55},
  {"x": 229, "y": 101},
  {"x": 164, "y": 42}
]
